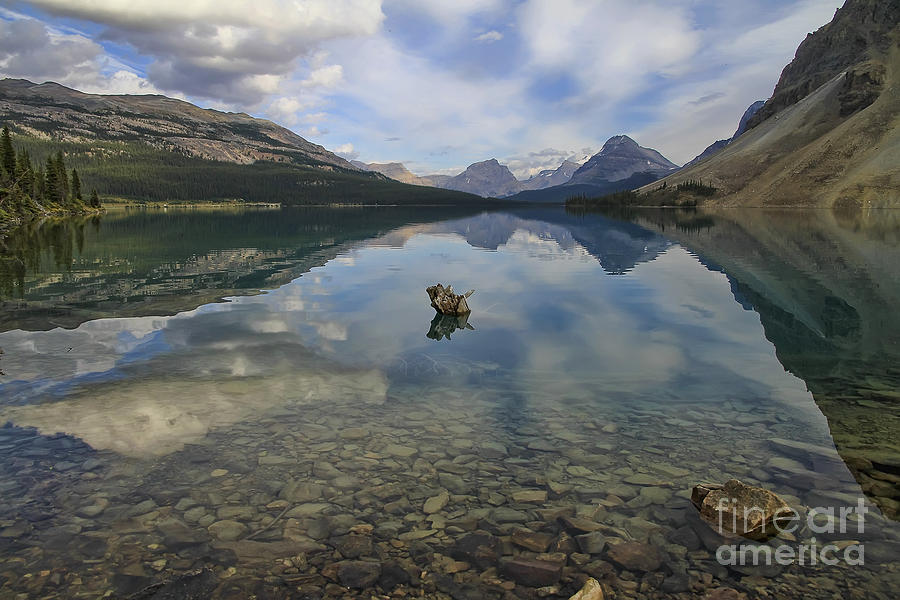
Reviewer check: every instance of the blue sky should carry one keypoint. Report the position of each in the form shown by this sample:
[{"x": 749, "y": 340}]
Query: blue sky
[{"x": 432, "y": 83}]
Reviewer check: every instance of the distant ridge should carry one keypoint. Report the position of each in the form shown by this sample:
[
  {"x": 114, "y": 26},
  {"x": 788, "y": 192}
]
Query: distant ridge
[
  {"x": 162, "y": 122},
  {"x": 622, "y": 164},
  {"x": 620, "y": 158},
  {"x": 159, "y": 149}
]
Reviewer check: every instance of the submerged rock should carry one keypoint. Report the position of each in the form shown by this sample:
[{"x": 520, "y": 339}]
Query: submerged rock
[
  {"x": 227, "y": 530},
  {"x": 436, "y": 503},
  {"x": 740, "y": 509},
  {"x": 358, "y": 574},
  {"x": 635, "y": 556},
  {"x": 530, "y": 572},
  {"x": 479, "y": 548}
]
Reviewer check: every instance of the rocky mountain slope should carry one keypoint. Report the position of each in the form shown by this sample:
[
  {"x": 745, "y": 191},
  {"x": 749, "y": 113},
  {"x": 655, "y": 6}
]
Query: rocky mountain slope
[
  {"x": 50, "y": 109},
  {"x": 551, "y": 177},
  {"x": 486, "y": 178},
  {"x": 622, "y": 164},
  {"x": 620, "y": 158},
  {"x": 157, "y": 149},
  {"x": 398, "y": 172},
  {"x": 830, "y": 134},
  {"x": 719, "y": 144}
]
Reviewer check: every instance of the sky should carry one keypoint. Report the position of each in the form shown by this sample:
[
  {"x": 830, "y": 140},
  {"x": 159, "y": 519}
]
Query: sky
[{"x": 435, "y": 84}]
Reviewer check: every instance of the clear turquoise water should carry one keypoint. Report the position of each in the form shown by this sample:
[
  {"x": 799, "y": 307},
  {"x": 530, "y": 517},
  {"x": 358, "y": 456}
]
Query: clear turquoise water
[{"x": 600, "y": 352}]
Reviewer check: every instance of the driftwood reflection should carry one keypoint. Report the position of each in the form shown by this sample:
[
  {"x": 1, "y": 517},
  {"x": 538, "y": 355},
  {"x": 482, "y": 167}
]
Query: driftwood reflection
[{"x": 443, "y": 325}]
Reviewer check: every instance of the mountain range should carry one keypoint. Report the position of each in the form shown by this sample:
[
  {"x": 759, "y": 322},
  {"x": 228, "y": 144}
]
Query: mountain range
[
  {"x": 620, "y": 160},
  {"x": 165, "y": 123},
  {"x": 151, "y": 147},
  {"x": 828, "y": 136}
]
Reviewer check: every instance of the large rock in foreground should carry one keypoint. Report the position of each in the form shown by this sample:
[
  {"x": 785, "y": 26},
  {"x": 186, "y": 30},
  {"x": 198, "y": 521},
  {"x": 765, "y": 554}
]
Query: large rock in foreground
[{"x": 740, "y": 509}]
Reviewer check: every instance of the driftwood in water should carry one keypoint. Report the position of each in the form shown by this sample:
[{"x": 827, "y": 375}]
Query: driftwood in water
[{"x": 446, "y": 302}]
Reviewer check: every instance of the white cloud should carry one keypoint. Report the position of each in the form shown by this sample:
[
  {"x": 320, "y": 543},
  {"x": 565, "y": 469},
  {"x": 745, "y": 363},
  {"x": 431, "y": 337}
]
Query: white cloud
[
  {"x": 611, "y": 48},
  {"x": 32, "y": 50},
  {"x": 489, "y": 36},
  {"x": 570, "y": 73},
  {"x": 226, "y": 50},
  {"x": 411, "y": 96},
  {"x": 324, "y": 77},
  {"x": 346, "y": 151},
  {"x": 524, "y": 166}
]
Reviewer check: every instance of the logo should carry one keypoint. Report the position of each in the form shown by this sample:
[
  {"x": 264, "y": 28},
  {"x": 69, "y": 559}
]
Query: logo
[{"x": 819, "y": 520}]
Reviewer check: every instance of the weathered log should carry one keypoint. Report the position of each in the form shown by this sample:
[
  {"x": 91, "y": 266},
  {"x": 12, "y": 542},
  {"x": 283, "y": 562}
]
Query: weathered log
[{"x": 446, "y": 302}]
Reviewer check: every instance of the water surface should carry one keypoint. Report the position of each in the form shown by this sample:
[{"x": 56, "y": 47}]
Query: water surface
[{"x": 248, "y": 391}]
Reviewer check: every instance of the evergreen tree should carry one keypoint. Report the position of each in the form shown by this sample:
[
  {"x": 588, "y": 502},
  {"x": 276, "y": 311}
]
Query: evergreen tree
[
  {"x": 51, "y": 192},
  {"x": 95, "y": 199},
  {"x": 62, "y": 178},
  {"x": 76, "y": 187},
  {"x": 7, "y": 154},
  {"x": 40, "y": 186},
  {"x": 25, "y": 172}
]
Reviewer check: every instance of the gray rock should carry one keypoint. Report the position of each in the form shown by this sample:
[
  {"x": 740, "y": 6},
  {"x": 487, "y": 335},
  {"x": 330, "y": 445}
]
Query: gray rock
[
  {"x": 194, "y": 514},
  {"x": 177, "y": 535},
  {"x": 400, "y": 451},
  {"x": 531, "y": 572},
  {"x": 227, "y": 530},
  {"x": 591, "y": 543},
  {"x": 454, "y": 483},
  {"x": 635, "y": 556},
  {"x": 311, "y": 509},
  {"x": 353, "y": 546},
  {"x": 358, "y": 574},
  {"x": 300, "y": 491},
  {"x": 531, "y": 540},
  {"x": 508, "y": 515},
  {"x": 89, "y": 512},
  {"x": 436, "y": 503},
  {"x": 479, "y": 548},
  {"x": 243, "y": 513},
  {"x": 185, "y": 503}
]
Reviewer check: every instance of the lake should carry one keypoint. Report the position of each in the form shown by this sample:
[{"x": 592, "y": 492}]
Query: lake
[{"x": 261, "y": 403}]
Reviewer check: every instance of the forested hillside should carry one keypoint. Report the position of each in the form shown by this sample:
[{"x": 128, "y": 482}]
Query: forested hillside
[
  {"x": 139, "y": 172},
  {"x": 46, "y": 187}
]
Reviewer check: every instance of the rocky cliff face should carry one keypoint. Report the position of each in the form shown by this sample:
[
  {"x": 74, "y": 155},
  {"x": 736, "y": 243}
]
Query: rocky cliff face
[
  {"x": 620, "y": 158},
  {"x": 830, "y": 134},
  {"x": 860, "y": 31},
  {"x": 53, "y": 110},
  {"x": 487, "y": 178}
]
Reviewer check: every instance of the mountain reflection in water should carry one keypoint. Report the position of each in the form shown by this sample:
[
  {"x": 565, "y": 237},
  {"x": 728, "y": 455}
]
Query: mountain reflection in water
[{"x": 612, "y": 354}]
